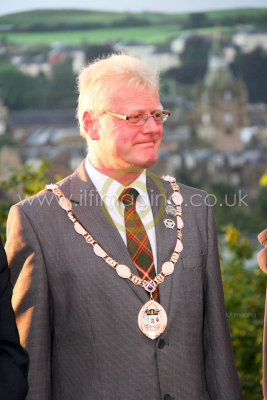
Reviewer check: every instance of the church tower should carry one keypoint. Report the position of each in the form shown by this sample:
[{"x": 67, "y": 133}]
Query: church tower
[{"x": 220, "y": 105}]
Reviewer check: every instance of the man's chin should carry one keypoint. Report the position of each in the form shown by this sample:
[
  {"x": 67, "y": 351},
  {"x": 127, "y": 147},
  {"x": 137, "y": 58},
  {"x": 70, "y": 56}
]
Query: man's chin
[
  {"x": 140, "y": 162},
  {"x": 148, "y": 158},
  {"x": 148, "y": 162}
]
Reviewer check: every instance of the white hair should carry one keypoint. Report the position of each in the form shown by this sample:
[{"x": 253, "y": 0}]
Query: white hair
[{"x": 98, "y": 81}]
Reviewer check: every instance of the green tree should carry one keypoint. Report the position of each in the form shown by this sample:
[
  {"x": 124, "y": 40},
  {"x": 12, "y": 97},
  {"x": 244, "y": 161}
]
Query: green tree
[
  {"x": 233, "y": 206},
  {"x": 18, "y": 90},
  {"x": 263, "y": 179},
  {"x": 262, "y": 201},
  {"x": 194, "y": 61},
  {"x": 20, "y": 185},
  {"x": 183, "y": 175},
  {"x": 251, "y": 67},
  {"x": 62, "y": 86},
  {"x": 197, "y": 20},
  {"x": 93, "y": 51},
  {"x": 244, "y": 289}
]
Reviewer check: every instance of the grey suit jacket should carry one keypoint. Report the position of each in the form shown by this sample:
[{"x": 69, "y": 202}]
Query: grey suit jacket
[{"x": 78, "y": 319}]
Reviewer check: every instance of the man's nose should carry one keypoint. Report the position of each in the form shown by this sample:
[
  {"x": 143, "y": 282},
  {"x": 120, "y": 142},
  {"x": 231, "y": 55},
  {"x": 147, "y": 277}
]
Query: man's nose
[{"x": 151, "y": 125}]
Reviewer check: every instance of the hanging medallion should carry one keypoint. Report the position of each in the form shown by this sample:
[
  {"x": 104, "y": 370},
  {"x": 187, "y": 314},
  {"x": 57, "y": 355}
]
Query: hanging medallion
[
  {"x": 169, "y": 223},
  {"x": 152, "y": 319},
  {"x": 170, "y": 210}
]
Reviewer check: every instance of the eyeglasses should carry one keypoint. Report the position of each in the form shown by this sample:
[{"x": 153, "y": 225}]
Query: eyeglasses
[{"x": 140, "y": 119}]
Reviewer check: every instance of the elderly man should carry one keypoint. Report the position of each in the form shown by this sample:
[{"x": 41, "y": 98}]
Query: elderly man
[
  {"x": 13, "y": 360},
  {"x": 106, "y": 306}
]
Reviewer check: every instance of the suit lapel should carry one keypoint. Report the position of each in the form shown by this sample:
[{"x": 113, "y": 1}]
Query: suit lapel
[
  {"x": 159, "y": 192},
  {"x": 93, "y": 215}
]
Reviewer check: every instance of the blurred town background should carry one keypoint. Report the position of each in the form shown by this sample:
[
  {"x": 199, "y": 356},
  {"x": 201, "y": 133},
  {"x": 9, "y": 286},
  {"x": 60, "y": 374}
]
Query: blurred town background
[{"x": 213, "y": 68}]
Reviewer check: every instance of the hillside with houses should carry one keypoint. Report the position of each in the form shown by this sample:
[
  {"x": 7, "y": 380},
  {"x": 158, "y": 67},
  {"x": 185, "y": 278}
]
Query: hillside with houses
[{"x": 214, "y": 82}]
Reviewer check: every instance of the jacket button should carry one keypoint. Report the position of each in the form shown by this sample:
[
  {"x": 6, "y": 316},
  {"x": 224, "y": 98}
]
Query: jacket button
[
  {"x": 161, "y": 344},
  {"x": 167, "y": 396}
]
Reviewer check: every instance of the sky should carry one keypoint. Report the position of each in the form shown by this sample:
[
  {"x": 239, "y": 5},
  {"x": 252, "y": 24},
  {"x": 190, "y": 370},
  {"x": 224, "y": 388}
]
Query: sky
[{"x": 10, "y": 6}]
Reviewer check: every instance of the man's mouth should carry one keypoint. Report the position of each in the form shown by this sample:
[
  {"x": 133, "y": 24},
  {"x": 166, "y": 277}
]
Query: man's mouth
[{"x": 147, "y": 142}]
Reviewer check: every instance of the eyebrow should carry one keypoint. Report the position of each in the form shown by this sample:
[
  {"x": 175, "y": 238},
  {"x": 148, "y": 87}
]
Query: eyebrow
[{"x": 139, "y": 110}]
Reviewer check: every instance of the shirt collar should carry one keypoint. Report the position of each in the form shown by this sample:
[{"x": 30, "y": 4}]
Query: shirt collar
[{"x": 109, "y": 189}]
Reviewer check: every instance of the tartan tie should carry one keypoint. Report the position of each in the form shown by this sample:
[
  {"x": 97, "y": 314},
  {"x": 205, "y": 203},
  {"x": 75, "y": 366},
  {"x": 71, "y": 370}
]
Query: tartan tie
[{"x": 137, "y": 240}]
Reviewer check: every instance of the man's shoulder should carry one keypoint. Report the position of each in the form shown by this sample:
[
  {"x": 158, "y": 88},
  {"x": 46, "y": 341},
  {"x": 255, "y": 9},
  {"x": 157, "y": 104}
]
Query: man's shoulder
[
  {"x": 165, "y": 181},
  {"x": 190, "y": 191},
  {"x": 45, "y": 196},
  {"x": 194, "y": 199}
]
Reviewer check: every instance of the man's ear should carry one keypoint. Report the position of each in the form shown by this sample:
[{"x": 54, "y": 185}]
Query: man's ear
[{"x": 90, "y": 126}]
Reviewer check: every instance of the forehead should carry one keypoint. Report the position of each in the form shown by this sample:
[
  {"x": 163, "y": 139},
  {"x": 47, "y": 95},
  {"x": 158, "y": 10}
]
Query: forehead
[{"x": 127, "y": 99}]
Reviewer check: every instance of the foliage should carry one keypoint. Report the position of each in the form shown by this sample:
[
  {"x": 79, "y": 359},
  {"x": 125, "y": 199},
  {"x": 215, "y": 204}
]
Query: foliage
[
  {"x": 183, "y": 175},
  {"x": 94, "y": 51},
  {"x": 197, "y": 48},
  {"x": 232, "y": 206},
  {"x": 252, "y": 68},
  {"x": 263, "y": 179},
  {"x": 21, "y": 184},
  {"x": 54, "y": 17},
  {"x": 54, "y": 20},
  {"x": 250, "y": 16},
  {"x": 61, "y": 87},
  {"x": 263, "y": 202},
  {"x": 194, "y": 60},
  {"x": 18, "y": 90},
  {"x": 197, "y": 20},
  {"x": 263, "y": 196},
  {"x": 5, "y": 140},
  {"x": 244, "y": 289},
  {"x": 171, "y": 86}
]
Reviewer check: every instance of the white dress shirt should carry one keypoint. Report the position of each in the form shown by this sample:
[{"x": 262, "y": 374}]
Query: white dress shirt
[{"x": 110, "y": 190}]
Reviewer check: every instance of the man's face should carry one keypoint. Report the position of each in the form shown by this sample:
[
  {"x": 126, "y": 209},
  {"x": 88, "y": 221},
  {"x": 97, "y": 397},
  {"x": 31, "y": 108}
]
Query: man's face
[{"x": 122, "y": 146}]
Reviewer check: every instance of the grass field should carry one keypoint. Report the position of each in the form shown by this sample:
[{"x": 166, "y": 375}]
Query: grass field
[
  {"x": 166, "y": 26},
  {"x": 150, "y": 34}
]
